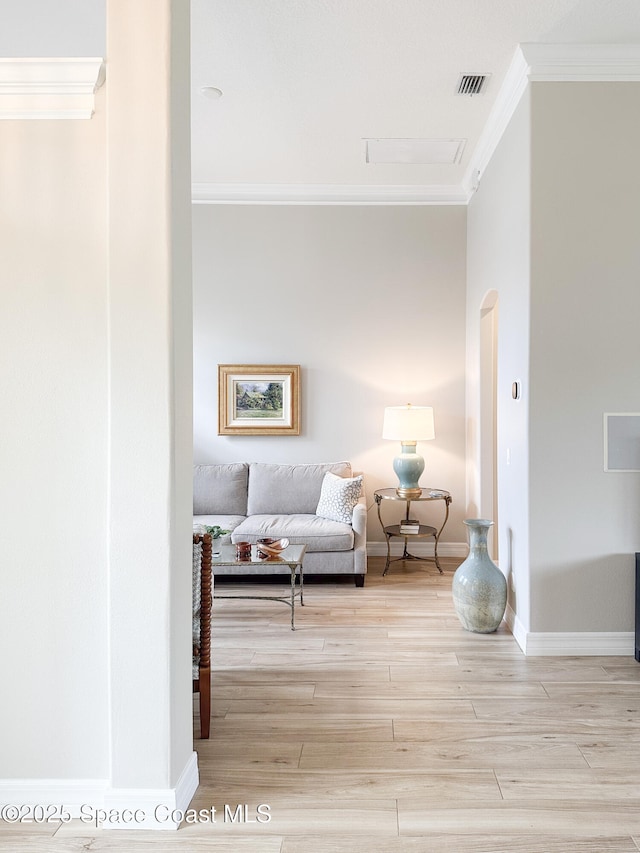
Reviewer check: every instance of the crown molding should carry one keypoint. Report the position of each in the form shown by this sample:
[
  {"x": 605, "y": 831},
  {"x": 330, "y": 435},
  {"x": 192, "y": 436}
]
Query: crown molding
[
  {"x": 582, "y": 63},
  {"x": 340, "y": 194},
  {"x": 553, "y": 63},
  {"x": 586, "y": 63},
  {"x": 508, "y": 98},
  {"x": 51, "y": 88}
]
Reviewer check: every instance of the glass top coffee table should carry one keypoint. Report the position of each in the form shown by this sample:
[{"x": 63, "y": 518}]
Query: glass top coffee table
[{"x": 291, "y": 558}]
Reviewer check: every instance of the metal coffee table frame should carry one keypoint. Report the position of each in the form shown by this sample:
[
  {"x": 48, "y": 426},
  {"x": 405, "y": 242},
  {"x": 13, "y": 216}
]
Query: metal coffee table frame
[{"x": 290, "y": 558}]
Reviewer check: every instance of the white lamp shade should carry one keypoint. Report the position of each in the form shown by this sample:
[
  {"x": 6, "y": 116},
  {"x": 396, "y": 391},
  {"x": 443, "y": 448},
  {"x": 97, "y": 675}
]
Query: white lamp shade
[{"x": 408, "y": 423}]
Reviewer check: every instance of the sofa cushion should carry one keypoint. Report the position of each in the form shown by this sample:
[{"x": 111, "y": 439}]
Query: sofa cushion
[
  {"x": 338, "y": 497},
  {"x": 318, "y": 534},
  {"x": 284, "y": 489},
  {"x": 220, "y": 489}
]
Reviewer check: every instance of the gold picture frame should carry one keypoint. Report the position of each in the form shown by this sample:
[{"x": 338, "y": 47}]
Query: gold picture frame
[{"x": 258, "y": 399}]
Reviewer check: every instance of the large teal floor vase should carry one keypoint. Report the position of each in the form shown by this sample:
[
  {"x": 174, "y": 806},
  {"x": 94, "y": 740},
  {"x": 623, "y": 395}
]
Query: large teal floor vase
[{"x": 479, "y": 587}]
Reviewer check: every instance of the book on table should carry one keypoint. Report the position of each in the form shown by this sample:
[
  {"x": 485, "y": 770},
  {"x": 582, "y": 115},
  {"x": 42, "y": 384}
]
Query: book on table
[{"x": 409, "y": 525}]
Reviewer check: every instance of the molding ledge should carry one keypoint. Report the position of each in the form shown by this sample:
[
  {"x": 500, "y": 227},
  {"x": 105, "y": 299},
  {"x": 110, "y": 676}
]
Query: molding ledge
[
  {"x": 552, "y": 63},
  {"x": 342, "y": 194},
  {"x": 582, "y": 63},
  {"x": 51, "y": 88}
]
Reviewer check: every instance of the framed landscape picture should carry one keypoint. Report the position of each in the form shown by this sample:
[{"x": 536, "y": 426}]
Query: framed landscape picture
[{"x": 258, "y": 399}]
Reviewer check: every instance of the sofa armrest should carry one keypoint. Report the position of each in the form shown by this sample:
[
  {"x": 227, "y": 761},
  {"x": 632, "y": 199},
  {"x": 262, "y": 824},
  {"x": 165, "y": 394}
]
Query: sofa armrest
[
  {"x": 359, "y": 525},
  {"x": 359, "y": 520}
]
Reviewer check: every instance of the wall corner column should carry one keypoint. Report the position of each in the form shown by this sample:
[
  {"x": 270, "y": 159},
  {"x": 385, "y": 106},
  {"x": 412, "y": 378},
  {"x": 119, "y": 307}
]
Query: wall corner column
[{"x": 150, "y": 430}]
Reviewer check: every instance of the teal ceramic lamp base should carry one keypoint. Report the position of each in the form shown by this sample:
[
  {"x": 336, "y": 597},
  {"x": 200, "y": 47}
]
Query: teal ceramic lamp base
[
  {"x": 408, "y": 467},
  {"x": 409, "y": 425}
]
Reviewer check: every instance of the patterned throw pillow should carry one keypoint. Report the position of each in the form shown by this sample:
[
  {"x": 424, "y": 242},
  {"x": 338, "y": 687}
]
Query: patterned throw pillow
[{"x": 338, "y": 497}]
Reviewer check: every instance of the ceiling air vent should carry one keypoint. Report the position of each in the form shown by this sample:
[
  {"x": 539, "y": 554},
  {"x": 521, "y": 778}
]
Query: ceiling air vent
[{"x": 472, "y": 84}]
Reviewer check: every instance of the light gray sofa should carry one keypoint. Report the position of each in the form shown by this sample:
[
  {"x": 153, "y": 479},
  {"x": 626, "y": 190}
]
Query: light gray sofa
[{"x": 258, "y": 499}]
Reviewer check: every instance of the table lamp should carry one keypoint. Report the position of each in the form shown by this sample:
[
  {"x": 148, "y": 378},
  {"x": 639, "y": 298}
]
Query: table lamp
[{"x": 408, "y": 424}]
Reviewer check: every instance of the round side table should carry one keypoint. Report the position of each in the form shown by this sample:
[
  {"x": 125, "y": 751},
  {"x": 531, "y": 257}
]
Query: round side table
[{"x": 424, "y": 530}]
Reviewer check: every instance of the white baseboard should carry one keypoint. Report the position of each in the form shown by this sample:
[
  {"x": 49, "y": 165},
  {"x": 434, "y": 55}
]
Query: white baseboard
[
  {"x": 581, "y": 644},
  {"x": 188, "y": 782},
  {"x": 65, "y": 794},
  {"x": 157, "y": 808},
  {"x": 516, "y": 627},
  {"x": 420, "y": 548},
  {"x": 570, "y": 643},
  {"x": 98, "y": 805}
]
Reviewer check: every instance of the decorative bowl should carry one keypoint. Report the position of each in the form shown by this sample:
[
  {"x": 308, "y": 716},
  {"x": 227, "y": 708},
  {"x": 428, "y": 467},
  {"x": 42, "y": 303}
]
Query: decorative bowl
[{"x": 268, "y": 547}]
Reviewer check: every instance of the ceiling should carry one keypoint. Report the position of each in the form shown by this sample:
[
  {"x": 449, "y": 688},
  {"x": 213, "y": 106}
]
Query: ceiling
[{"x": 306, "y": 82}]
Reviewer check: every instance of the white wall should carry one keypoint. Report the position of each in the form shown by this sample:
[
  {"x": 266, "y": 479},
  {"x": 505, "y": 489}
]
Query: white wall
[
  {"x": 585, "y": 355},
  {"x": 150, "y": 518},
  {"x": 553, "y": 229},
  {"x": 368, "y": 300},
  {"x": 59, "y": 28},
  {"x": 179, "y": 272},
  {"x": 498, "y": 262},
  {"x": 95, "y": 493},
  {"x": 53, "y": 451}
]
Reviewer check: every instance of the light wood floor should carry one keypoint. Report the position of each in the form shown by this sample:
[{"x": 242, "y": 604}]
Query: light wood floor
[{"x": 380, "y": 726}]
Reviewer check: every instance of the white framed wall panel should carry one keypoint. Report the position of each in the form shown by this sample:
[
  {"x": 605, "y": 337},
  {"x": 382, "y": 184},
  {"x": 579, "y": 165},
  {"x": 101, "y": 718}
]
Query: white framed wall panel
[{"x": 621, "y": 442}]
